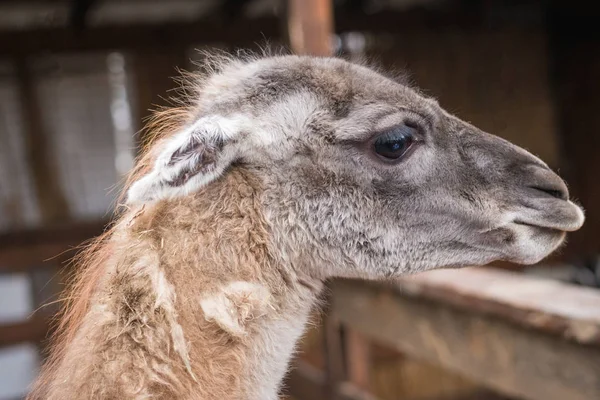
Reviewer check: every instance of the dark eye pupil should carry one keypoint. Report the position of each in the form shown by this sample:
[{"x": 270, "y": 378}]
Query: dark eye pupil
[{"x": 394, "y": 144}]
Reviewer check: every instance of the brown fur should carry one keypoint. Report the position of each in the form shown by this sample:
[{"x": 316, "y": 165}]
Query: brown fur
[
  {"x": 90, "y": 264},
  {"x": 202, "y": 243}
]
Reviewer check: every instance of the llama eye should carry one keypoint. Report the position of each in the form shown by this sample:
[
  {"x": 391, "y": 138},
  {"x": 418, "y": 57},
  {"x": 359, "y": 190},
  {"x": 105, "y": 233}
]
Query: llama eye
[{"x": 395, "y": 143}]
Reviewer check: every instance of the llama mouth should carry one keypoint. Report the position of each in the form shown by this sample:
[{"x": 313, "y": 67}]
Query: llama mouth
[
  {"x": 533, "y": 242},
  {"x": 565, "y": 216},
  {"x": 558, "y": 228},
  {"x": 537, "y": 225}
]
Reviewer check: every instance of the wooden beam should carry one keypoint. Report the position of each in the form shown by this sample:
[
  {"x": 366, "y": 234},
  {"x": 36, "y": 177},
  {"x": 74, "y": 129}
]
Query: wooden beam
[
  {"x": 358, "y": 358},
  {"x": 217, "y": 30},
  {"x": 139, "y": 37},
  {"x": 78, "y": 13},
  {"x": 512, "y": 359},
  {"x": 154, "y": 72},
  {"x": 58, "y": 233},
  {"x": 306, "y": 382},
  {"x": 335, "y": 372},
  {"x": 22, "y": 251},
  {"x": 25, "y": 258},
  {"x": 549, "y": 306},
  {"x": 51, "y": 201},
  {"x": 30, "y": 2},
  {"x": 33, "y": 330},
  {"x": 310, "y": 26}
]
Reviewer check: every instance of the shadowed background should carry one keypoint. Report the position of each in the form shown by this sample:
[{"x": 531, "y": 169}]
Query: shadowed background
[{"x": 78, "y": 78}]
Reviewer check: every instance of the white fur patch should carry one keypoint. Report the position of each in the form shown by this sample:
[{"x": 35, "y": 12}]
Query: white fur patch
[
  {"x": 235, "y": 305},
  {"x": 165, "y": 300},
  {"x": 214, "y": 132}
]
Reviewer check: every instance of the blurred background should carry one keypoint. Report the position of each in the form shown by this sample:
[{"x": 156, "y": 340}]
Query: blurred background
[{"x": 78, "y": 78}]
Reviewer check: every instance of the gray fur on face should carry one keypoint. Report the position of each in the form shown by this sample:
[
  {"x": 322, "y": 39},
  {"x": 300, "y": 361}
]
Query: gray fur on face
[{"x": 305, "y": 125}]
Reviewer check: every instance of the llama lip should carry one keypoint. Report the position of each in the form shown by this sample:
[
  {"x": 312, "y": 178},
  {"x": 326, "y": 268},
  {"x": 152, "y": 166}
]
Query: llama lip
[
  {"x": 567, "y": 217},
  {"x": 526, "y": 224},
  {"x": 539, "y": 226}
]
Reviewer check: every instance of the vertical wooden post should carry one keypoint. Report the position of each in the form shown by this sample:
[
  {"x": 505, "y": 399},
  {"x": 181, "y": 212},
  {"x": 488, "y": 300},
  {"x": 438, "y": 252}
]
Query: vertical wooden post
[
  {"x": 154, "y": 73},
  {"x": 51, "y": 202},
  {"x": 310, "y": 26},
  {"x": 358, "y": 358},
  {"x": 335, "y": 373}
]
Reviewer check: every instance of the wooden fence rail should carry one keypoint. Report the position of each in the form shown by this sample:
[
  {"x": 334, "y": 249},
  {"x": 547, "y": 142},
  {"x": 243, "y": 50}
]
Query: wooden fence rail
[
  {"x": 50, "y": 248},
  {"x": 517, "y": 335}
]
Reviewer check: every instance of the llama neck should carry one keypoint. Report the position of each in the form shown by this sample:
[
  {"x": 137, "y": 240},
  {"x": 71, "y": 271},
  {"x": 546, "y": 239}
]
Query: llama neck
[
  {"x": 192, "y": 304},
  {"x": 246, "y": 301},
  {"x": 273, "y": 346}
]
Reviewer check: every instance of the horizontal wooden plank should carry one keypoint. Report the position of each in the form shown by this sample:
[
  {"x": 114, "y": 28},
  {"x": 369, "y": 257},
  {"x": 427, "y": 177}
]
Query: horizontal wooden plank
[
  {"x": 499, "y": 354},
  {"x": 214, "y": 30},
  {"x": 140, "y": 36},
  {"x": 21, "y": 251},
  {"x": 33, "y": 330},
  {"x": 24, "y": 258},
  {"x": 306, "y": 382},
  {"x": 548, "y": 305},
  {"x": 74, "y": 231}
]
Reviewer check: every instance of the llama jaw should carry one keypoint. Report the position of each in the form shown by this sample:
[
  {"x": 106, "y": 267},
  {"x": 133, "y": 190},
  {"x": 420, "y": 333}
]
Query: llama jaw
[
  {"x": 537, "y": 234},
  {"x": 530, "y": 233},
  {"x": 534, "y": 243}
]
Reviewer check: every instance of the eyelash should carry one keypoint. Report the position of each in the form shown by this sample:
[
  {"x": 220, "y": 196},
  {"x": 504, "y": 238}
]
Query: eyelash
[
  {"x": 394, "y": 144},
  {"x": 413, "y": 120}
]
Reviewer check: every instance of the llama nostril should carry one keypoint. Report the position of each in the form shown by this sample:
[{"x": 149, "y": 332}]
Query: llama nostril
[
  {"x": 553, "y": 186},
  {"x": 545, "y": 180},
  {"x": 558, "y": 193}
]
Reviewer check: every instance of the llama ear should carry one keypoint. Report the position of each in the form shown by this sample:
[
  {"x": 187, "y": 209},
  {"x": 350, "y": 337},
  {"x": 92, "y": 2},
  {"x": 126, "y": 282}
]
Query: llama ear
[{"x": 188, "y": 161}]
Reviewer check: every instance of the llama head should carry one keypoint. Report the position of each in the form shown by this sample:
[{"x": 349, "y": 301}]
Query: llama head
[{"x": 363, "y": 176}]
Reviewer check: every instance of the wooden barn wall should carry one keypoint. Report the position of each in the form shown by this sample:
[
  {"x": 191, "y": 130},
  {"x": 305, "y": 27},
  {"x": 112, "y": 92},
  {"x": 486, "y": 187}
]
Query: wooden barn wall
[
  {"x": 154, "y": 74},
  {"x": 75, "y": 99},
  {"x": 497, "y": 80},
  {"x": 18, "y": 206},
  {"x": 57, "y": 120},
  {"x": 575, "y": 44}
]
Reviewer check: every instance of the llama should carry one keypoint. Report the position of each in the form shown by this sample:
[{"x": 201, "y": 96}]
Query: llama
[{"x": 283, "y": 172}]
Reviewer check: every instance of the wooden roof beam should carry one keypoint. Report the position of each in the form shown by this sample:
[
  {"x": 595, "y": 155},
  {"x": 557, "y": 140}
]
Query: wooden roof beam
[{"x": 138, "y": 37}]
